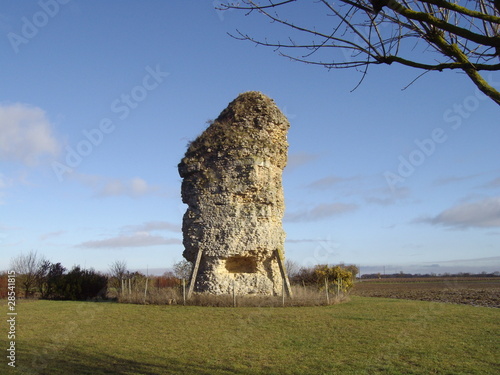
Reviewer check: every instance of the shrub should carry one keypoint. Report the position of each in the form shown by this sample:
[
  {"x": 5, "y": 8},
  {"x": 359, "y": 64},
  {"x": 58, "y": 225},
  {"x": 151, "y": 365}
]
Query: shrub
[
  {"x": 84, "y": 284},
  {"x": 334, "y": 276},
  {"x": 77, "y": 284},
  {"x": 51, "y": 282},
  {"x": 338, "y": 277}
]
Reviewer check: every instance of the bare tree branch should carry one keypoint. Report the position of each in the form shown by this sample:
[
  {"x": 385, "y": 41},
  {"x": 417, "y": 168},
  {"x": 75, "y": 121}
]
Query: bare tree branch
[
  {"x": 444, "y": 34},
  {"x": 443, "y": 25},
  {"x": 463, "y": 10}
]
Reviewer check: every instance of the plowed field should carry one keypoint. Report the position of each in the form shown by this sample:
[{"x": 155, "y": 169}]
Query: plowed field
[{"x": 468, "y": 291}]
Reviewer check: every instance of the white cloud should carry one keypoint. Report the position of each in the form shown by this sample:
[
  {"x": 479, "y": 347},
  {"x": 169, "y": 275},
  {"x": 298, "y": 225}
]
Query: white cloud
[
  {"x": 303, "y": 240},
  {"x": 320, "y": 212},
  {"x": 139, "y": 239},
  {"x": 388, "y": 197},
  {"x": 112, "y": 188},
  {"x": 153, "y": 226},
  {"x": 138, "y": 186},
  {"x": 493, "y": 184},
  {"x": 135, "y": 187},
  {"x": 298, "y": 159},
  {"x": 104, "y": 187},
  {"x": 25, "y": 134},
  {"x": 46, "y": 236},
  {"x": 327, "y": 182},
  {"x": 4, "y": 227},
  {"x": 482, "y": 214},
  {"x": 138, "y": 236},
  {"x": 362, "y": 187},
  {"x": 4, "y": 184},
  {"x": 453, "y": 179}
]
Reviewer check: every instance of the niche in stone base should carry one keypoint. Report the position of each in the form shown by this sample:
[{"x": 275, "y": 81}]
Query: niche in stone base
[{"x": 241, "y": 264}]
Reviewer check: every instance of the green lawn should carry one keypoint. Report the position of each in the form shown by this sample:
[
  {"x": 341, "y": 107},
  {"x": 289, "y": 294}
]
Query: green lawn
[{"x": 363, "y": 336}]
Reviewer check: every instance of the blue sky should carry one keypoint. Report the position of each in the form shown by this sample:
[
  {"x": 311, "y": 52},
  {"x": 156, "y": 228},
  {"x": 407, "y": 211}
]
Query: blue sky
[{"x": 98, "y": 101}]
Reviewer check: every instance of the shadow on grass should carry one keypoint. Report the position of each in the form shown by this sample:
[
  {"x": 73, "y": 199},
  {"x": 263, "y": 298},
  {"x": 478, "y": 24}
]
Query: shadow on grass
[{"x": 70, "y": 361}]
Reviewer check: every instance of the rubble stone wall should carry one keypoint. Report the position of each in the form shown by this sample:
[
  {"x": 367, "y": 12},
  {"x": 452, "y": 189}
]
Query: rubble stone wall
[{"x": 232, "y": 184}]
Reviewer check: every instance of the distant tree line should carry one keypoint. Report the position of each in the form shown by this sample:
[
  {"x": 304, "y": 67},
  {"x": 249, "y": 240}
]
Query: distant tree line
[{"x": 37, "y": 277}]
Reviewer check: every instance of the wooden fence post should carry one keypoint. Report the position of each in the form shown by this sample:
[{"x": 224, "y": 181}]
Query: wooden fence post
[
  {"x": 326, "y": 288},
  {"x": 284, "y": 276},
  {"x": 283, "y": 292},
  {"x": 234, "y": 293},
  {"x": 194, "y": 274},
  {"x": 184, "y": 292}
]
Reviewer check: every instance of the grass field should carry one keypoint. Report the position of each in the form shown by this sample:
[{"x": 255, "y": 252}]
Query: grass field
[{"x": 363, "y": 336}]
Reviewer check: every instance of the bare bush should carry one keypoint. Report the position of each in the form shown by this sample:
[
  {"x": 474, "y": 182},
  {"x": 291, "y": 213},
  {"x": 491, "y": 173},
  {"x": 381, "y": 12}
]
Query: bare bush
[
  {"x": 117, "y": 272},
  {"x": 27, "y": 268}
]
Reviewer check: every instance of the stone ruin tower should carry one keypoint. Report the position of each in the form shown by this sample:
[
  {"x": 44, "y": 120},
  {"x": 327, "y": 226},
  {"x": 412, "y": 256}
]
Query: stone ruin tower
[{"x": 232, "y": 183}]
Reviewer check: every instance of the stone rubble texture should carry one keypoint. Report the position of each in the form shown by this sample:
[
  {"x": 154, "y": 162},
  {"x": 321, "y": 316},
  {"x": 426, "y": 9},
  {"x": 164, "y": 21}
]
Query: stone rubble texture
[{"x": 232, "y": 184}]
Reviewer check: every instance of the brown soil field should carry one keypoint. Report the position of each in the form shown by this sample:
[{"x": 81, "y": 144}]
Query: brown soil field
[{"x": 462, "y": 290}]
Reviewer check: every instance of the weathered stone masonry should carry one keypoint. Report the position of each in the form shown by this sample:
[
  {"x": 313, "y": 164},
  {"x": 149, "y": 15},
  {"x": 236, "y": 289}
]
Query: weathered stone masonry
[{"x": 232, "y": 184}]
